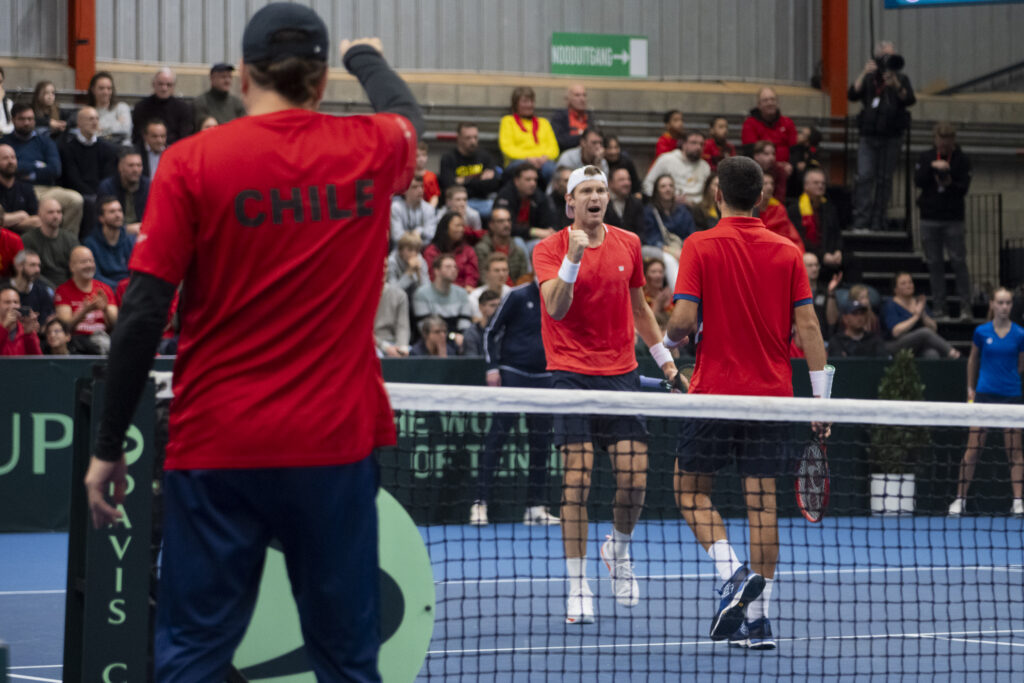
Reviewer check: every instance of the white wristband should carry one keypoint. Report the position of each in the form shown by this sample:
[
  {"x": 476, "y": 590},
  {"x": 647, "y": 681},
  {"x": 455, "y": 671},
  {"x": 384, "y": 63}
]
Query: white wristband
[
  {"x": 669, "y": 344},
  {"x": 821, "y": 381},
  {"x": 568, "y": 271},
  {"x": 661, "y": 354}
]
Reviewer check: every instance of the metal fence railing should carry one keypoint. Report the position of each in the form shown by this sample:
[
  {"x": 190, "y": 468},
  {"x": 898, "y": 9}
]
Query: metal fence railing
[{"x": 984, "y": 223}]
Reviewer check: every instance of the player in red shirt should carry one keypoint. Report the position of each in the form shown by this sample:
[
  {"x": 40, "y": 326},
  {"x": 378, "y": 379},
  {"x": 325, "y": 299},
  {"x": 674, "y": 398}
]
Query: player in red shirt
[
  {"x": 745, "y": 285},
  {"x": 268, "y": 220},
  {"x": 591, "y": 283}
]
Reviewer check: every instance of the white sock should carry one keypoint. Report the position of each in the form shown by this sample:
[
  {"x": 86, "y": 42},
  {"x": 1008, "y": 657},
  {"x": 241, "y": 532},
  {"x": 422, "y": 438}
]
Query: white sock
[
  {"x": 577, "y": 568},
  {"x": 620, "y": 544},
  {"x": 759, "y": 607},
  {"x": 726, "y": 562}
]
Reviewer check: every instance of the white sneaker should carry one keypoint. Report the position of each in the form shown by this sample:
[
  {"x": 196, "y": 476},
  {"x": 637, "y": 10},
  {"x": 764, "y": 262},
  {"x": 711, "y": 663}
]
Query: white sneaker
[
  {"x": 624, "y": 585},
  {"x": 478, "y": 514},
  {"x": 539, "y": 515},
  {"x": 956, "y": 508},
  {"x": 580, "y": 606},
  {"x": 1017, "y": 509}
]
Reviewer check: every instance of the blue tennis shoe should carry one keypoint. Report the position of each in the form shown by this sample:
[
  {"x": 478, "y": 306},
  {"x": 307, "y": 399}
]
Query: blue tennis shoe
[
  {"x": 738, "y": 592},
  {"x": 756, "y": 635}
]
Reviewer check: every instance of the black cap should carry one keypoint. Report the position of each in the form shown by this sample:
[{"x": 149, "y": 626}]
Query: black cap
[
  {"x": 852, "y": 306},
  {"x": 221, "y": 66},
  {"x": 261, "y": 42}
]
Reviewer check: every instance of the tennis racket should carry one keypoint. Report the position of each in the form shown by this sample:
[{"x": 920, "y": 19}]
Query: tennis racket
[
  {"x": 812, "y": 481},
  {"x": 662, "y": 383}
]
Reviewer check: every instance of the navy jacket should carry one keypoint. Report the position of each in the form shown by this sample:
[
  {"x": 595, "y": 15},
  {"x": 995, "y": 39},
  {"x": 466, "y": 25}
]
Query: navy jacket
[
  {"x": 512, "y": 340},
  {"x": 38, "y": 158}
]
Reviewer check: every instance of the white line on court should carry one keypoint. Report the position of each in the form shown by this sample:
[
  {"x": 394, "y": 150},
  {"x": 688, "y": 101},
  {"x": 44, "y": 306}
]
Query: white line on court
[
  {"x": 37, "y": 666},
  {"x": 683, "y": 643},
  {"x": 793, "y": 572},
  {"x": 980, "y": 642},
  {"x": 53, "y": 592},
  {"x": 34, "y": 678}
]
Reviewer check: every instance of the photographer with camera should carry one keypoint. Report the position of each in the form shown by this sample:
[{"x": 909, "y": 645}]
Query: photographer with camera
[
  {"x": 21, "y": 326},
  {"x": 886, "y": 93}
]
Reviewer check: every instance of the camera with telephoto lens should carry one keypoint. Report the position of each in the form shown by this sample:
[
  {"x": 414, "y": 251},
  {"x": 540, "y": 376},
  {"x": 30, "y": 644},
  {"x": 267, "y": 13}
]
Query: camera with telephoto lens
[
  {"x": 24, "y": 311},
  {"x": 894, "y": 63}
]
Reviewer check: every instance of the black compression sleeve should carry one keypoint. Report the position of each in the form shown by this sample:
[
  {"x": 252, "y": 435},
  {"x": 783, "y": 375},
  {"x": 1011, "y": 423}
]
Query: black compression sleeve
[
  {"x": 386, "y": 89},
  {"x": 140, "y": 323}
]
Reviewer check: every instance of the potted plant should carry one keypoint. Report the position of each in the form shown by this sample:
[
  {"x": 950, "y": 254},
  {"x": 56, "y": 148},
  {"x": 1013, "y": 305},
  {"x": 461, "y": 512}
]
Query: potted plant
[{"x": 895, "y": 448}]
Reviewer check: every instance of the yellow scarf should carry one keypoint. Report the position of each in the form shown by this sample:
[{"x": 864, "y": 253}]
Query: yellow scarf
[{"x": 805, "y": 205}]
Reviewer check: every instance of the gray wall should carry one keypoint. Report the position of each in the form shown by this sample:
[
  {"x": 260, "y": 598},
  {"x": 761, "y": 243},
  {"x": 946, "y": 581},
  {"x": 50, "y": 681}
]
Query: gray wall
[
  {"x": 943, "y": 46},
  {"x": 686, "y": 37},
  {"x": 34, "y": 28}
]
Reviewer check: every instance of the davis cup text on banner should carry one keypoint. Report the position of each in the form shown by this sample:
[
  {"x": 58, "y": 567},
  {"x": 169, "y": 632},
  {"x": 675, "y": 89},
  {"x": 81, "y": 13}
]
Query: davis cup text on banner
[{"x": 598, "y": 54}]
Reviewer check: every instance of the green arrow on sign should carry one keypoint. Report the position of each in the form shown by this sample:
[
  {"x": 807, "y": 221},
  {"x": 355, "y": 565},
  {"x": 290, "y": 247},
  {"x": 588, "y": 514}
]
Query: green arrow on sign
[{"x": 598, "y": 54}]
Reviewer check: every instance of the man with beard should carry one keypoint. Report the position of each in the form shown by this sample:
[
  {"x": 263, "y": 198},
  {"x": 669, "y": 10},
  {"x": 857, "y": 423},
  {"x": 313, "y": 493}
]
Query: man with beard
[{"x": 687, "y": 168}]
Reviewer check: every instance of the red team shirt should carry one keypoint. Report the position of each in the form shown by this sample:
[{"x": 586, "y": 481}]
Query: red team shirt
[
  {"x": 596, "y": 336},
  {"x": 271, "y": 221},
  {"x": 747, "y": 281},
  {"x": 68, "y": 294}
]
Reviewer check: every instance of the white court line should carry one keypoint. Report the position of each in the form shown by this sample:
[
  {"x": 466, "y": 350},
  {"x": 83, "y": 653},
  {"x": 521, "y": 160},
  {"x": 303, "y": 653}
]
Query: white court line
[
  {"x": 37, "y": 666},
  {"x": 792, "y": 572},
  {"x": 53, "y": 592},
  {"x": 683, "y": 643},
  {"x": 34, "y": 678},
  {"x": 981, "y": 642}
]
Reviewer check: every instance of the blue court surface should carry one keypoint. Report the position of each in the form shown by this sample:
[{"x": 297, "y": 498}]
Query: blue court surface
[{"x": 855, "y": 599}]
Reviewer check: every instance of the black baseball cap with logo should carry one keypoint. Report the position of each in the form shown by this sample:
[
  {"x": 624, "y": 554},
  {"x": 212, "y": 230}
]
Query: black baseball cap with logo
[{"x": 281, "y": 30}]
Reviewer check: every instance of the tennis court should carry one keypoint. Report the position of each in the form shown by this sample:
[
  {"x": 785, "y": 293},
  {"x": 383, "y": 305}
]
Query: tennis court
[{"x": 857, "y": 599}]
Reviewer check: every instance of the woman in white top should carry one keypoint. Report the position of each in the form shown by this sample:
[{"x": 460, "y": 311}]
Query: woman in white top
[
  {"x": 115, "y": 117},
  {"x": 6, "y": 123}
]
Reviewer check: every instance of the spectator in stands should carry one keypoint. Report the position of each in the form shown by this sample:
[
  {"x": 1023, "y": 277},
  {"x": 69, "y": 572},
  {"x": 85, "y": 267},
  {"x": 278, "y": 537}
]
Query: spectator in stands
[
  {"x": 705, "y": 212},
  {"x": 154, "y": 144},
  {"x": 818, "y": 222},
  {"x": 717, "y": 146},
  {"x": 774, "y": 215},
  {"x": 207, "y": 123},
  {"x": 855, "y": 340},
  {"x": 456, "y": 200},
  {"x": 450, "y": 238},
  {"x": 129, "y": 186},
  {"x": 53, "y": 245},
  {"x": 471, "y": 167},
  {"x": 115, "y": 117},
  {"x": 391, "y": 323},
  {"x": 909, "y": 323},
  {"x": 495, "y": 280},
  {"x": 218, "y": 101},
  {"x": 498, "y": 240},
  {"x": 6, "y": 119},
  {"x": 86, "y": 160},
  {"x": 39, "y": 164},
  {"x": 406, "y": 267},
  {"x": 20, "y": 327},
  {"x": 825, "y": 305},
  {"x": 685, "y": 166},
  {"x": 766, "y": 122},
  {"x": 590, "y": 152},
  {"x": 58, "y": 336},
  {"x": 473, "y": 338},
  {"x": 569, "y": 123},
  {"x": 174, "y": 112},
  {"x": 86, "y": 306},
  {"x": 10, "y": 245},
  {"x": 527, "y": 139},
  {"x": 17, "y": 198},
  {"x": 803, "y": 155},
  {"x": 657, "y": 290},
  {"x": 48, "y": 115},
  {"x": 35, "y": 290},
  {"x": 435, "y": 340},
  {"x": 673, "y": 135},
  {"x": 556, "y": 195},
  {"x": 618, "y": 158},
  {"x": 431, "y": 188},
  {"x": 533, "y": 216},
  {"x": 111, "y": 246},
  {"x": 885, "y": 93},
  {"x": 764, "y": 155},
  {"x": 864, "y": 294},
  {"x": 624, "y": 210},
  {"x": 440, "y": 297},
  {"x": 943, "y": 174},
  {"x": 666, "y": 225},
  {"x": 410, "y": 213}
]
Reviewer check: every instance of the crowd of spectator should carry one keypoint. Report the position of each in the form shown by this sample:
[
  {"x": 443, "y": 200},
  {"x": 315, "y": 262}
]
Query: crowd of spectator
[{"x": 74, "y": 185}]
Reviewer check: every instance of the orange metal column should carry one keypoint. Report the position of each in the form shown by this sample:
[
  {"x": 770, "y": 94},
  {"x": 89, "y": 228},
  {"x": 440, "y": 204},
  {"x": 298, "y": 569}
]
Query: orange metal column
[
  {"x": 834, "y": 58},
  {"x": 82, "y": 40}
]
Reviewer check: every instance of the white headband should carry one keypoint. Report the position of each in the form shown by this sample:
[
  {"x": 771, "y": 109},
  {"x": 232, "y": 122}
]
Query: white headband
[{"x": 577, "y": 177}]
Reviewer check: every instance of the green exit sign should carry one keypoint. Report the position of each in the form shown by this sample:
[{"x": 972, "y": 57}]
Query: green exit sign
[{"x": 598, "y": 54}]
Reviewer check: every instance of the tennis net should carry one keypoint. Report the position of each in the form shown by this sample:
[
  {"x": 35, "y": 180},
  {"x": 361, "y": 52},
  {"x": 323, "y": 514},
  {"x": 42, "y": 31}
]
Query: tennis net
[{"x": 887, "y": 586}]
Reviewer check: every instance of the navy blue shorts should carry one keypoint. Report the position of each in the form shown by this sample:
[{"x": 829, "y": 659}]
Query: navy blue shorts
[
  {"x": 998, "y": 398},
  {"x": 600, "y": 430},
  {"x": 760, "y": 449}
]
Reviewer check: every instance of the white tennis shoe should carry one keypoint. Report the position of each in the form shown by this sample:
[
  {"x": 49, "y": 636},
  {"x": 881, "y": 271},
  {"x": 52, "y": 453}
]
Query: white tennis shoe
[
  {"x": 478, "y": 514},
  {"x": 956, "y": 508},
  {"x": 1017, "y": 509},
  {"x": 580, "y": 606},
  {"x": 624, "y": 584},
  {"x": 538, "y": 515}
]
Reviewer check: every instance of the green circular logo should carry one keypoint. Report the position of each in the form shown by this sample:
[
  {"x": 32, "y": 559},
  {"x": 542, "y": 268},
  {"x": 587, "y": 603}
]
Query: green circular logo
[{"x": 272, "y": 649}]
